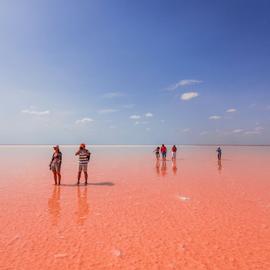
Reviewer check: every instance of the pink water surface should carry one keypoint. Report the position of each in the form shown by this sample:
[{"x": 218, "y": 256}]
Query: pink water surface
[{"x": 136, "y": 213}]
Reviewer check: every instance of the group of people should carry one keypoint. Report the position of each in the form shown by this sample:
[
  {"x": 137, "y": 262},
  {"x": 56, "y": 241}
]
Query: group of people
[
  {"x": 84, "y": 158},
  {"x": 56, "y": 161},
  {"x": 163, "y": 151}
]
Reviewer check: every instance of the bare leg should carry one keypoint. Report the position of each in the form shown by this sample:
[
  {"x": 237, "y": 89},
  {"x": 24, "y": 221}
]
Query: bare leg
[
  {"x": 59, "y": 178},
  {"x": 79, "y": 177},
  {"x": 86, "y": 177},
  {"x": 55, "y": 177}
]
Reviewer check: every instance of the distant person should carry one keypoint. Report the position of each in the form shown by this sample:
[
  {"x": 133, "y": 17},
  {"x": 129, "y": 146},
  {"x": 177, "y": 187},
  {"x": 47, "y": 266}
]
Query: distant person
[
  {"x": 55, "y": 165},
  {"x": 219, "y": 151},
  {"x": 163, "y": 150},
  {"x": 84, "y": 157},
  {"x": 174, "y": 150},
  {"x": 157, "y": 152}
]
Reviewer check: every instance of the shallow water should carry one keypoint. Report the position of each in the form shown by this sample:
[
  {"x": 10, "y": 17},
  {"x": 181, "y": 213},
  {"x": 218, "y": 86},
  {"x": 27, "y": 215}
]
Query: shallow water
[{"x": 136, "y": 213}]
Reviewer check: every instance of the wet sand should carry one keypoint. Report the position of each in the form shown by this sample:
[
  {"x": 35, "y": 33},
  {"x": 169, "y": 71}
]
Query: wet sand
[{"x": 136, "y": 213}]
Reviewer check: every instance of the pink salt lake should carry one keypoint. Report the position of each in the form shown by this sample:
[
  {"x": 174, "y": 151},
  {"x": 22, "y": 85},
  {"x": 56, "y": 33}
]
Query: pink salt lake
[{"x": 136, "y": 213}]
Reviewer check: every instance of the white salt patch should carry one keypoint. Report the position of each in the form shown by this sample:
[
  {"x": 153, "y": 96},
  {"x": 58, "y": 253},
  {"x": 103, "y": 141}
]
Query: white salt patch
[
  {"x": 116, "y": 252},
  {"x": 183, "y": 198}
]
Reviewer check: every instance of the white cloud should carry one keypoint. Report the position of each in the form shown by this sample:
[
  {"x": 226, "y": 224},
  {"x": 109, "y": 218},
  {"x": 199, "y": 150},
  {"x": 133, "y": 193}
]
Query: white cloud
[
  {"x": 137, "y": 123},
  {"x": 37, "y": 113},
  {"x": 215, "y": 117},
  {"x": 105, "y": 111},
  {"x": 259, "y": 128},
  {"x": 149, "y": 114},
  {"x": 186, "y": 130},
  {"x": 135, "y": 116},
  {"x": 238, "y": 130},
  {"x": 189, "y": 95},
  {"x": 232, "y": 110},
  {"x": 183, "y": 83},
  {"x": 112, "y": 95},
  {"x": 148, "y": 129},
  {"x": 84, "y": 120}
]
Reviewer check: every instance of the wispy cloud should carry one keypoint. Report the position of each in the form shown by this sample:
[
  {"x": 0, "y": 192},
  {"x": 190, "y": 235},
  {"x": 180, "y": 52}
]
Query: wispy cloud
[
  {"x": 113, "y": 95},
  {"x": 184, "y": 83},
  {"x": 186, "y": 130},
  {"x": 214, "y": 117},
  {"x": 135, "y": 116},
  {"x": 256, "y": 131},
  {"x": 105, "y": 111},
  {"x": 37, "y": 113},
  {"x": 149, "y": 114},
  {"x": 189, "y": 95},
  {"x": 204, "y": 133},
  {"x": 238, "y": 130},
  {"x": 232, "y": 110},
  {"x": 84, "y": 120},
  {"x": 259, "y": 128}
]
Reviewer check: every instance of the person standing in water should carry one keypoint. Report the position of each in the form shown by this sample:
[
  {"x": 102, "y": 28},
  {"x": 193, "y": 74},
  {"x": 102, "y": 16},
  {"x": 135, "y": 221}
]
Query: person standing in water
[
  {"x": 174, "y": 150},
  {"x": 163, "y": 150},
  {"x": 55, "y": 165},
  {"x": 84, "y": 157},
  {"x": 219, "y": 151},
  {"x": 157, "y": 152}
]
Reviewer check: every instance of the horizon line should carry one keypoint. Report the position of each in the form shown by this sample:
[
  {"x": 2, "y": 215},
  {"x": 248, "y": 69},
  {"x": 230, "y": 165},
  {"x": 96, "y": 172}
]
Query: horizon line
[{"x": 184, "y": 144}]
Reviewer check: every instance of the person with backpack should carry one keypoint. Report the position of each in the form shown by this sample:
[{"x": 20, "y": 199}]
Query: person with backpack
[{"x": 84, "y": 157}]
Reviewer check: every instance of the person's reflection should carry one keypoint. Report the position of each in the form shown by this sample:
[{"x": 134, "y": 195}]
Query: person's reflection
[
  {"x": 83, "y": 207},
  {"x": 163, "y": 167},
  {"x": 54, "y": 207},
  {"x": 174, "y": 166},
  {"x": 158, "y": 166},
  {"x": 219, "y": 166}
]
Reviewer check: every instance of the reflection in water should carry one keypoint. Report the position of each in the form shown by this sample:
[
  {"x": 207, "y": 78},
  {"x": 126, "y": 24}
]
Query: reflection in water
[
  {"x": 83, "y": 207},
  {"x": 163, "y": 167},
  {"x": 158, "y": 166},
  {"x": 54, "y": 205},
  {"x": 174, "y": 166},
  {"x": 219, "y": 166}
]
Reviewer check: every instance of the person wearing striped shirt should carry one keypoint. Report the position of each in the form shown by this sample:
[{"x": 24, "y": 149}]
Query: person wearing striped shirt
[{"x": 84, "y": 157}]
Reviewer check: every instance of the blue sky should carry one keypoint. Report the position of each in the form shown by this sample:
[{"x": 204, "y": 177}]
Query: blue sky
[{"x": 132, "y": 72}]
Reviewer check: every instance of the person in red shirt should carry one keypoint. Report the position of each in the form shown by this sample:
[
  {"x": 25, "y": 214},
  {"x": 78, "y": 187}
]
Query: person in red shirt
[
  {"x": 163, "y": 151},
  {"x": 174, "y": 150}
]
